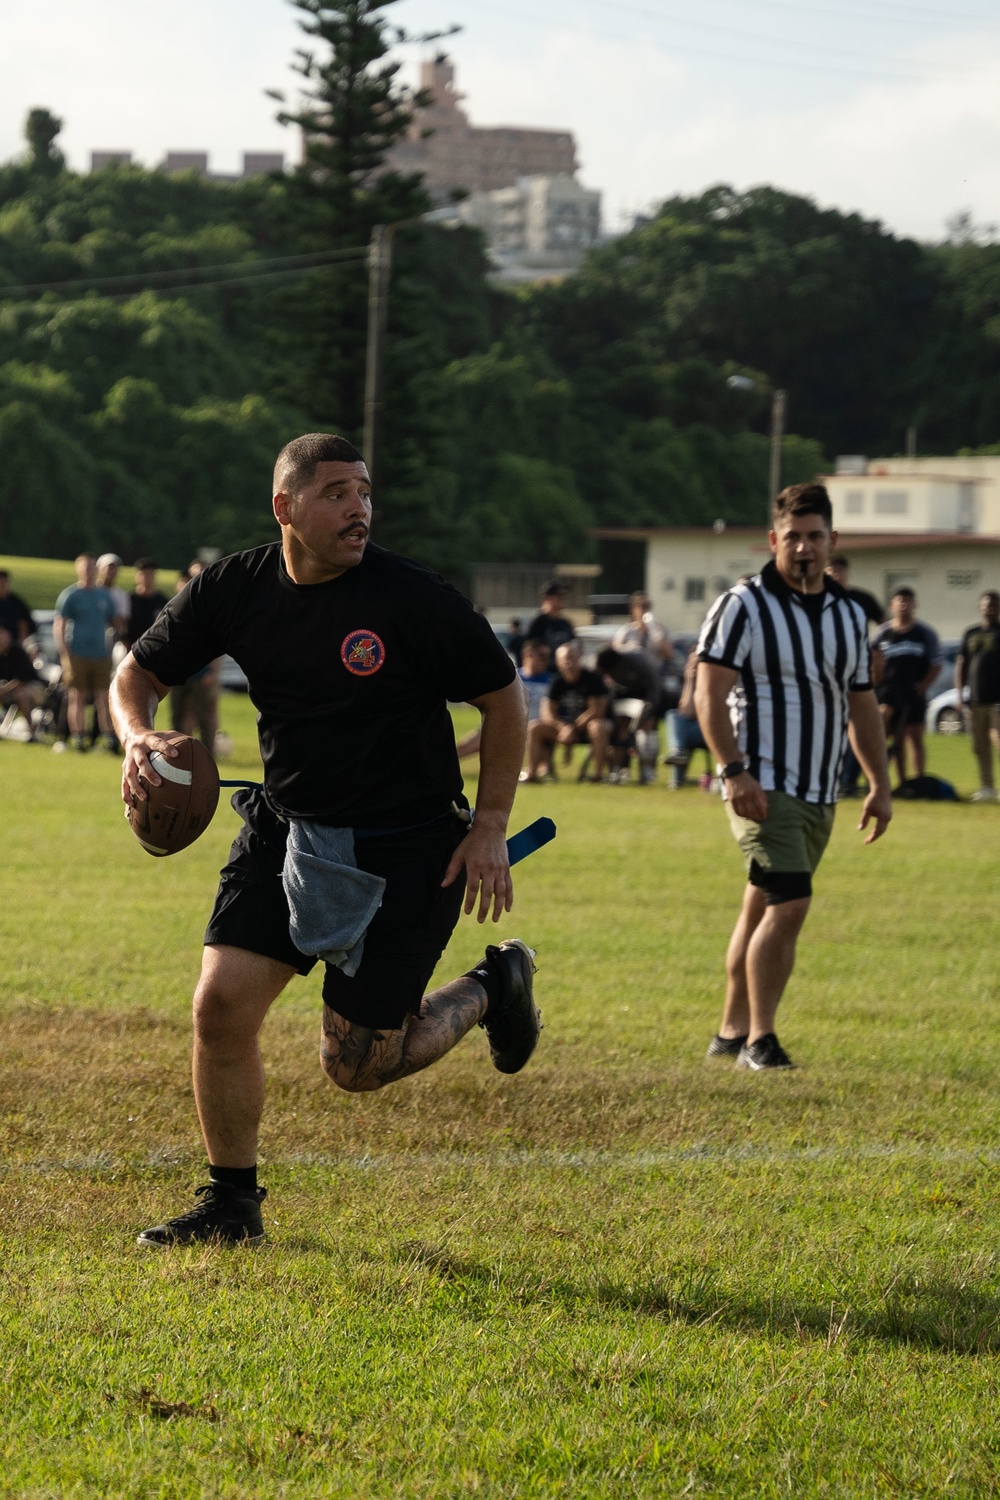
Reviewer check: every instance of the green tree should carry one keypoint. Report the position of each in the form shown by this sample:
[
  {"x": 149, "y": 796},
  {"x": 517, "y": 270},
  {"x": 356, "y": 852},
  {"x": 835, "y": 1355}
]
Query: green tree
[
  {"x": 41, "y": 129},
  {"x": 354, "y": 109}
]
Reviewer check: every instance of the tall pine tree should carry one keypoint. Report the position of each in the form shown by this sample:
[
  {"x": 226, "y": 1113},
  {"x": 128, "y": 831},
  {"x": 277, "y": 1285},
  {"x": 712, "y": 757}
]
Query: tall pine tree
[{"x": 353, "y": 109}]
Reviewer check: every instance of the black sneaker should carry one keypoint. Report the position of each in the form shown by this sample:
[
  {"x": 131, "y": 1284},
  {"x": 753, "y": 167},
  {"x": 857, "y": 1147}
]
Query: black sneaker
[
  {"x": 765, "y": 1052},
  {"x": 513, "y": 1023},
  {"x": 725, "y": 1046},
  {"x": 225, "y": 1216}
]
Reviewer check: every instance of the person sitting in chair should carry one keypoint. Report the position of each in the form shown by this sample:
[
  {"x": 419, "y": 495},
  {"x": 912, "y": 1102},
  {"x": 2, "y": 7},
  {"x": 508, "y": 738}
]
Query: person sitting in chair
[{"x": 574, "y": 712}]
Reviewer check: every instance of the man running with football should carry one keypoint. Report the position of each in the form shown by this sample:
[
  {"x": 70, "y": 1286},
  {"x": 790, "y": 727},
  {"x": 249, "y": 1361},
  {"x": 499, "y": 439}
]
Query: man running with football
[{"x": 352, "y": 654}]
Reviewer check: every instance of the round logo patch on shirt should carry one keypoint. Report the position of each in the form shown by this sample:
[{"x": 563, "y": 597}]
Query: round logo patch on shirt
[{"x": 362, "y": 652}]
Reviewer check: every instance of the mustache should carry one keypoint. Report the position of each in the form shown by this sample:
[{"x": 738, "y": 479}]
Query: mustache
[{"x": 354, "y": 526}]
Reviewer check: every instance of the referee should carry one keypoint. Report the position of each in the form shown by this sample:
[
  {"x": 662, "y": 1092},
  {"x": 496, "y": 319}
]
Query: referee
[{"x": 783, "y": 679}]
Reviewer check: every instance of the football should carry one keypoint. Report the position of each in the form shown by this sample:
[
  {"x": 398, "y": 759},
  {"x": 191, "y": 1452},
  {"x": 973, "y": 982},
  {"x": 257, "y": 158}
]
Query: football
[{"x": 177, "y": 811}]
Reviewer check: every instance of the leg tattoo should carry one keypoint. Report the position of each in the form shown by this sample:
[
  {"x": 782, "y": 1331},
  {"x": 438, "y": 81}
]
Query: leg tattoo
[{"x": 360, "y": 1059}]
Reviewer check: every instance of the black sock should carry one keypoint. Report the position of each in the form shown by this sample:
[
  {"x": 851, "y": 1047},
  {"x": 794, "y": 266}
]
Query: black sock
[
  {"x": 244, "y": 1178},
  {"x": 487, "y": 977}
]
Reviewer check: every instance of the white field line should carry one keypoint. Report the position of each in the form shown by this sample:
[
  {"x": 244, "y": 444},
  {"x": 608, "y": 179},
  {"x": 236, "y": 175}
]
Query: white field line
[{"x": 527, "y": 1160}]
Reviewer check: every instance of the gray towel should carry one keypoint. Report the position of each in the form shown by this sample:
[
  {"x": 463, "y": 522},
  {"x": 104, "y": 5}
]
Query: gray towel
[{"x": 331, "y": 901}]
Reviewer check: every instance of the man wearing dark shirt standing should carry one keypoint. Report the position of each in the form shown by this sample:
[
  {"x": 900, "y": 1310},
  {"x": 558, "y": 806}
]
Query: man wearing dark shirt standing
[
  {"x": 145, "y": 601},
  {"x": 351, "y": 654},
  {"x": 978, "y": 668},
  {"x": 550, "y": 626},
  {"x": 912, "y": 655}
]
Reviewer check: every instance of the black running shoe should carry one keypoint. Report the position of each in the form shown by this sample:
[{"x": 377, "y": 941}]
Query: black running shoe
[
  {"x": 513, "y": 1023},
  {"x": 725, "y": 1046},
  {"x": 765, "y": 1052},
  {"x": 225, "y": 1216}
]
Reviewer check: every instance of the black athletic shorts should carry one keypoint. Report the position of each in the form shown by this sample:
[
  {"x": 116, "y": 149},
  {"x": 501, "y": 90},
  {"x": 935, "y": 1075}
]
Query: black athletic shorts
[{"x": 407, "y": 934}]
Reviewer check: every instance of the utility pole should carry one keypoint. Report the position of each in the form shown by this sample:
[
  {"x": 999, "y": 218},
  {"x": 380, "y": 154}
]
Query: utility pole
[
  {"x": 379, "y": 272},
  {"x": 778, "y": 404}
]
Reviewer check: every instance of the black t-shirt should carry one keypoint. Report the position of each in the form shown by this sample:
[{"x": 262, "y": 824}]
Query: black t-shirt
[
  {"x": 552, "y": 631},
  {"x": 12, "y": 611},
  {"x": 569, "y": 699},
  {"x": 981, "y": 654},
  {"x": 16, "y": 666},
  {"x": 909, "y": 656},
  {"x": 351, "y": 678},
  {"x": 143, "y": 610},
  {"x": 874, "y": 612}
]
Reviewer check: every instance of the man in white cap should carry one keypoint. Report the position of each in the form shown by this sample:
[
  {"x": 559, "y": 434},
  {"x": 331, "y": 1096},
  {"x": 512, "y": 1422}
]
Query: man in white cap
[{"x": 107, "y": 578}]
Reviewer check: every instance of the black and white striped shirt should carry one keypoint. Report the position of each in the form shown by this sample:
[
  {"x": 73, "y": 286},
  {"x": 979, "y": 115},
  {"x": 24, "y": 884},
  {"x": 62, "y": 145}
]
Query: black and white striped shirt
[{"x": 798, "y": 657}]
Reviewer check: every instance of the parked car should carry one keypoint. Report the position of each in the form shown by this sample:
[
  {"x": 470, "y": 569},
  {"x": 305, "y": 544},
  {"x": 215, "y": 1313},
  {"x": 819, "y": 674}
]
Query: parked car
[
  {"x": 946, "y": 672},
  {"x": 944, "y": 713}
]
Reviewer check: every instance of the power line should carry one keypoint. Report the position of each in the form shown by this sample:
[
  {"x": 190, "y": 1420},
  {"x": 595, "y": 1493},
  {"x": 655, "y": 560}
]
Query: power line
[
  {"x": 890, "y": 13},
  {"x": 170, "y": 280},
  {"x": 642, "y": 10},
  {"x": 915, "y": 73}
]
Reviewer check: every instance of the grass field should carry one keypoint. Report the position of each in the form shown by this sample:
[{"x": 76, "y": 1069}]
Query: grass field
[{"x": 624, "y": 1272}]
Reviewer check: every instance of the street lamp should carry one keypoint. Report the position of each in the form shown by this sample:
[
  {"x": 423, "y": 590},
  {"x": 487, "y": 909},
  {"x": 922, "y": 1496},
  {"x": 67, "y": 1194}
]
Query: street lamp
[{"x": 779, "y": 405}]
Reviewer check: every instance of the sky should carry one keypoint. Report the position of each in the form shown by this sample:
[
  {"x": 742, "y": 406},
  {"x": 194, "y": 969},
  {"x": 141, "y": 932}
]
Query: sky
[{"x": 882, "y": 107}]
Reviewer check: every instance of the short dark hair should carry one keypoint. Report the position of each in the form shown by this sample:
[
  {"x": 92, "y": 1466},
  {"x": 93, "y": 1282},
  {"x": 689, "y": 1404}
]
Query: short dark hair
[
  {"x": 903, "y": 592},
  {"x": 990, "y": 594},
  {"x": 142, "y": 563},
  {"x": 839, "y": 561},
  {"x": 296, "y": 463},
  {"x": 607, "y": 659},
  {"x": 803, "y": 500},
  {"x": 553, "y": 587}
]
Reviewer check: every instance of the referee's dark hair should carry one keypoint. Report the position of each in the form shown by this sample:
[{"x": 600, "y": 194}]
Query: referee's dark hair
[
  {"x": 296, "y": 463},
  {"x": 803, "y": 500}
]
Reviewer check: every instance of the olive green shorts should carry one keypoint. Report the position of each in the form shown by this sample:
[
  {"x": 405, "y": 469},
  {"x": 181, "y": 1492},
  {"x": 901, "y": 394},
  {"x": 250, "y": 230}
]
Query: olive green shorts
[{"x": 791, "y": 839}]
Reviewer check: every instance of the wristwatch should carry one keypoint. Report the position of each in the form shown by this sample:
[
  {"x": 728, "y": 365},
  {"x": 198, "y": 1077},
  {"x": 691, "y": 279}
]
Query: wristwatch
[{"x": 734, "y": 768}]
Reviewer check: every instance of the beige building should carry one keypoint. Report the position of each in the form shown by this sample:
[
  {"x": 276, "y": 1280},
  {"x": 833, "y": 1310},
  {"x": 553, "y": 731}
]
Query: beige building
[
  {"x": 931, "y": 523},
  {"x": 539, "y": 222},
  {"x": 454, "y": 155}
]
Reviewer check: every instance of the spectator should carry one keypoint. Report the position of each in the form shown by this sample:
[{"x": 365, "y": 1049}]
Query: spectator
[
  {"x": 574, "y": 712},
  {"x": 839, "y": 570},
  {"x": 633, "y": 677},
  {"x": 912, "y": 656},
  {"x": 107, "y": 575},
  {"x": 84, "y": 615},
  {"x": 145, "y": 601},
  {"x": 978, "y": 668},
  {"x": 550, "y": 625},
  {"x": 536, "y": 677},
  {"x": 15, "y": 615},
  {"x": 20, "y": 684},
  {"x": 643, "y": 633},
  {"x": 685, "y": 731}
]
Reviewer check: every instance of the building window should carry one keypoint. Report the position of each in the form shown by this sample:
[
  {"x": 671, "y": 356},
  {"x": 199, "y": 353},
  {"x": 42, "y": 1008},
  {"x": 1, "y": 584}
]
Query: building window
[
  {"x": 694, "y": 591},
  {"x": 854, "y": 502},
  {"x": 963, "y": 578},
  {"x": 891, "y": 502}
]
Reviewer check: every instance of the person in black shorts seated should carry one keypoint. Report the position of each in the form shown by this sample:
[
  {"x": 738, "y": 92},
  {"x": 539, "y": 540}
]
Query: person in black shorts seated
[
  {"x": 358, "y": 847},
  {"x": 574, "y": 712},
  {"x": 912, "y": 655}
]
